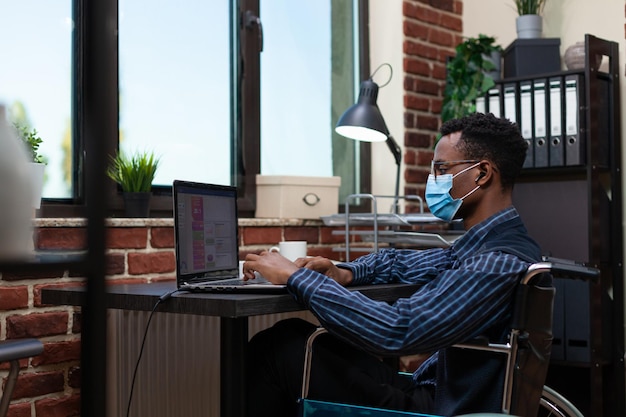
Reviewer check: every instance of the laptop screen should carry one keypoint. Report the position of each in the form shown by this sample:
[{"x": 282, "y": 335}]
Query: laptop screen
[{"x": 205, "y": 231}]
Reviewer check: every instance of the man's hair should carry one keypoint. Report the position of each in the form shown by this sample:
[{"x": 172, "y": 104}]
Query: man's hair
[{"x": 484, "y": 136}]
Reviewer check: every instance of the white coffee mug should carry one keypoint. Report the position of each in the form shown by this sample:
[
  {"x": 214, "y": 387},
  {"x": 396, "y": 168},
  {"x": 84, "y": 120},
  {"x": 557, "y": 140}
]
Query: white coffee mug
[{"x": 292, "y": 249}]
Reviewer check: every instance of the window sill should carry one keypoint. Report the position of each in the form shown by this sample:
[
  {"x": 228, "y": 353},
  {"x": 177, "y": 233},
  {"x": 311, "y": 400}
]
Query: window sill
[{"x": 166, "y": 222}]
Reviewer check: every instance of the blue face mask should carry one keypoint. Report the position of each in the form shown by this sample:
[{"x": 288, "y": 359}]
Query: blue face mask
[{"x": 438, "y": 198}]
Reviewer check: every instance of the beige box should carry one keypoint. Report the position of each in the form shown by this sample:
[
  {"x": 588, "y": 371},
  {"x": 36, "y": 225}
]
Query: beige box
[{"x": 281, "y": 196}]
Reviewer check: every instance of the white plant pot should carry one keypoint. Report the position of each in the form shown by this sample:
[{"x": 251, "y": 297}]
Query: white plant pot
[
  {"x": 529, "y": 26},
  {"x": 37, "y": 173}
]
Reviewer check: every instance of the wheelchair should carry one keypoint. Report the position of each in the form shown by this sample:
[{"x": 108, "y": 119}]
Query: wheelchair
[
  {"x": 527, "y": 353},
  {"x": 12, "y": 351}
]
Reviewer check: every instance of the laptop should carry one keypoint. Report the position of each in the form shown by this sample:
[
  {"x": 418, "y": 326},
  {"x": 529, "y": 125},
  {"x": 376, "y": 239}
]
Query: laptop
[{"x": 206, "y": 240}]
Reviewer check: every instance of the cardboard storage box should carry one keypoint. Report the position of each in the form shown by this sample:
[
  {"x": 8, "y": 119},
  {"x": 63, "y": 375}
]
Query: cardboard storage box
[{"x": 280, "y": 196}]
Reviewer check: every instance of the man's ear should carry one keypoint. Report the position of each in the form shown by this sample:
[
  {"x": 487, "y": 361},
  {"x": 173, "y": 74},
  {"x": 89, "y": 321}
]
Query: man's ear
[{"x": 487, "y": 170}]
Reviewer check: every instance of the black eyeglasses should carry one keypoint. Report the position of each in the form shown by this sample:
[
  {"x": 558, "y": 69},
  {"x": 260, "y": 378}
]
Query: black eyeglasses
[{"x": 440, "y": 167}]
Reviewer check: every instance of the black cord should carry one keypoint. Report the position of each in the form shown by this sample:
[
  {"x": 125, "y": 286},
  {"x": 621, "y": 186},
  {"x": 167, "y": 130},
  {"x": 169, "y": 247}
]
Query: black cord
[{"x": 143, "y": 342}]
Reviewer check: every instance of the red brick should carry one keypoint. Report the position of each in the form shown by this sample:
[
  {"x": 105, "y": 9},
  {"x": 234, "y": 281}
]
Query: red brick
[
  {"x": 427, "y": 122},
  {"x": 19, "y": 410},
  {"x": 58, "y": 352},
  {"x": 151, "y": 263},
  {"x": 310, "y": 234},
  {"x": 162, "y": 237},
  {"x": 416, "y": 176},
  {"x": 22, "y": 362},
  {"x": 12, "y": 298},
  {"x": 421, "y": 50},
  {"x": 68, "y": 406},
  {"x": 439, "y": 72},
  {"x": 115, "y": 263},
  {"x": 262, "y": 235},
  {"x": 416, "y": 102},
  {"x": 409, "y": 83},
  {"x": 415, "y": 30},
  {"x": 452, "y": 22},
  {"x": 127, "y": 238},
  {"x": 458, "y": 7},
  {"x": 435, "y": 105},
  {"x": 417, "y": 140},
  {"x": 441, "y": 37},
  {"x": 424, "y": 157},
  {"x": 416, "y": 66},
  {"x": 446, "y": 5},
  {"x": 38, "y": 383},
  {"x": 409, "y": 9},
  {"x": 61, "y": 238},
  {"x": 36, "y": 325},
  {"x": 427, "y": 87},
  {"x": 409, "y": 120},
  {"x": 427, "y": 15},
  {"x": 327, "y": 236}
]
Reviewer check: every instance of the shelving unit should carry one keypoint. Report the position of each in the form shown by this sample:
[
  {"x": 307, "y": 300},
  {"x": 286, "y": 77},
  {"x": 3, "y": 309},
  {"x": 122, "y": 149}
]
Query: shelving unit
[
  {"x": 570, "y": 198},
  {"x": 368, "y": 230}
]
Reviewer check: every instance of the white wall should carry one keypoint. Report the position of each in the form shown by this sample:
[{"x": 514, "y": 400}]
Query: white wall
[{"x": 386, "y": 40}]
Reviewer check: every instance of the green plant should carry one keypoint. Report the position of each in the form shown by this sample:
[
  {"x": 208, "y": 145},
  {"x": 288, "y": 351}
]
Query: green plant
[
  {"x": 31, "y": 139},
  {"x": 466, "y": 76},
  {"x": 133, "y": 173},
  {"x": 529, "y": 6}
]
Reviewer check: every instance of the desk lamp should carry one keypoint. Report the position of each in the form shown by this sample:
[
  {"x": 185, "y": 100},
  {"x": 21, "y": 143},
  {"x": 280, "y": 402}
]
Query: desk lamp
[{"x": 363, "y": 121}]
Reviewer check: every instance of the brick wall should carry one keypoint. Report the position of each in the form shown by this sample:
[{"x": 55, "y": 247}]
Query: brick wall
[
  {"x": 431, "y": 29},
  {"x": 139, "y": 250}
]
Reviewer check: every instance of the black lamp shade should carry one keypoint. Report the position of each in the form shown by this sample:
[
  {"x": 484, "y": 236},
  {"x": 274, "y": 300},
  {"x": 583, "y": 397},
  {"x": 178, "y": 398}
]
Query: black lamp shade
[{"x": 363, "y": 121}]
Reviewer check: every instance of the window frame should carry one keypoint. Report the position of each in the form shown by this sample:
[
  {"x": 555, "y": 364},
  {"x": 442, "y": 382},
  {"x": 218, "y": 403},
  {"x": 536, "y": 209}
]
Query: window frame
[{"x": 245, "y": 105}]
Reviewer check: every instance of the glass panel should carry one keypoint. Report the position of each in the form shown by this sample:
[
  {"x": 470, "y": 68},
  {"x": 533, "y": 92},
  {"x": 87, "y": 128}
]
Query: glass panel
[
  {"x": 307, "y": 54},
  {"x": 35, "y": 80},
  {"x": 175, "y": 87}
]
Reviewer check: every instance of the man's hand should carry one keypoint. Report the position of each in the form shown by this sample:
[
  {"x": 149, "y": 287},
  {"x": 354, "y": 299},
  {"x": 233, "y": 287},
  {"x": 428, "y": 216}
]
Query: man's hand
[
  {"x": 327, "y": 267},
  {"x": 271, "y": 265},
  {"x": 277, "y": 269}
]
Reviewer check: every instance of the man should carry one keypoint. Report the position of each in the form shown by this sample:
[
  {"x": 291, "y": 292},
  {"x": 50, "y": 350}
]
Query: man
[{"x": 466, "y": 290}]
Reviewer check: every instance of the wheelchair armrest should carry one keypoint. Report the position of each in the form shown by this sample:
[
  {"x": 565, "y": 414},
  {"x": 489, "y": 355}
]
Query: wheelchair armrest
[
  {"x": 562, "y": 268},
  {"x": 19, "y": 348}
]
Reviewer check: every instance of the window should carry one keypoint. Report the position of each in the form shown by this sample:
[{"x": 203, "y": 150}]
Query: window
[
  {"x": 174, "y": 76},
  {"x": 194, "y": 87},
  {"x": 309, "y": 73},
  {"x": 35, "y": 80}
]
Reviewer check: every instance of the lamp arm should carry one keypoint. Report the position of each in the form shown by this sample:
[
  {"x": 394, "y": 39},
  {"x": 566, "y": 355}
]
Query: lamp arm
[
  {"x": 394, "y": 148},
  {"x": 397, "y": 155}
]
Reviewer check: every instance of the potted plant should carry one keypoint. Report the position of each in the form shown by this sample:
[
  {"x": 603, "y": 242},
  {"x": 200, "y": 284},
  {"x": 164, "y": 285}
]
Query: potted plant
[
  {"x": 134, "y": 173},
  {"x": 468, "y": 75},
  {"x": 31, "y": 140},
  {"x": 529, "y": 23}
]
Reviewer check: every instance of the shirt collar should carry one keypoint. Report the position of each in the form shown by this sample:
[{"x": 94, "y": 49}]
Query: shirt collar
[{"x": 474, "y": 237}]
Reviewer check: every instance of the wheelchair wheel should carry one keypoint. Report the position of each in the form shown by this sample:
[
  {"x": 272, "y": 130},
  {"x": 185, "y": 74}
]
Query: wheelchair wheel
[{"x": 553, "y": 404}]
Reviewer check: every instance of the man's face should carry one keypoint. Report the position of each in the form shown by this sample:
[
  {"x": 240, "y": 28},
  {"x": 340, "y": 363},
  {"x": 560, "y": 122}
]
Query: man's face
[{"x": 449, "y": 160}]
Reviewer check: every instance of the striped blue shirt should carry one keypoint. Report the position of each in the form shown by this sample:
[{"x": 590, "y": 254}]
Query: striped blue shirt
[{"x": 464, "y": 292}]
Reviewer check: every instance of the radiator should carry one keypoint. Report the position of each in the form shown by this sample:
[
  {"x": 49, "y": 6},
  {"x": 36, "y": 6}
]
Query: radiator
[{"x": 179, "y": 370}]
